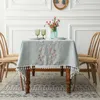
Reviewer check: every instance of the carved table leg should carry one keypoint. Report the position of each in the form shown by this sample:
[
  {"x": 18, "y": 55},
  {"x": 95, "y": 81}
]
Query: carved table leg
[
  {"x": 68, "y": 81},
  {"x": 33, "y": 70},
  {"x": 62, "y": 70},
  {"x": 27, "y": 82}
]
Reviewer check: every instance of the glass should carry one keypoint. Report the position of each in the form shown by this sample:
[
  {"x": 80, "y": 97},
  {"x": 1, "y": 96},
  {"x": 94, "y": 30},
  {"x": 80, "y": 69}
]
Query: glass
[
  {"x": 37, "y": 32},
  {"x": 43, "y": 32},
  {"x": 54, "y": 33}
]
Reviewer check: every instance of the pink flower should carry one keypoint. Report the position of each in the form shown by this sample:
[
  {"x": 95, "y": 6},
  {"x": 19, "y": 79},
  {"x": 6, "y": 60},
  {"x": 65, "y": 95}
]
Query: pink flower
[
  {"x": 58, "y": 20},
  {"x": 53, "y": 23}
]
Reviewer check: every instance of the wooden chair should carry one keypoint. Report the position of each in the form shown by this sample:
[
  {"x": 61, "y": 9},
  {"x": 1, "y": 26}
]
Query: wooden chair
[
  {"x": 4, "y": 43},
  {"x": 98, "y": 69},
  {"x": 6, "y": 58},
  {"x": 91, "y": 59}
]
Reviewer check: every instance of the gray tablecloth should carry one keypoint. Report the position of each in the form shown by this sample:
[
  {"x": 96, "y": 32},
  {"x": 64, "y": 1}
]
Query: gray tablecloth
[{"x": 48, "y": 53}]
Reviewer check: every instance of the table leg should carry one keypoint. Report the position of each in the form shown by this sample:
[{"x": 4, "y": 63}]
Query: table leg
[
  {"x": 27, "y": 81},
  {"x": 33, "y": 70},
  {"x": 62, "y": 70},
  {"x": 68, "y": 81}
]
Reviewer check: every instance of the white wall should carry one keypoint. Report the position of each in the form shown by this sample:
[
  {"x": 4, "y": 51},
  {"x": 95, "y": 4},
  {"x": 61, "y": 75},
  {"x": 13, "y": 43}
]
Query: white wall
[
  {"x": 2, "y": 16},
  {"x": 79, "y": 21}
]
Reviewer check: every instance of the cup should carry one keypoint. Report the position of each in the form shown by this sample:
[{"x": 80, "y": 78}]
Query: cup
[
  {"x": 37, "y": 32},
  {"x": 43, "y": 32}
]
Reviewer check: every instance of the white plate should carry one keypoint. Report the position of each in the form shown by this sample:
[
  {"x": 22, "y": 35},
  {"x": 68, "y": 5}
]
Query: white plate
[
  {"x": 36, "y": 38},
  {"x": 60, "y": 38}
]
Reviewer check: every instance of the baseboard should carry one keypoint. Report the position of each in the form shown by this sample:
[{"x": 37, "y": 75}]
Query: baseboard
[{"x": 47, "y": 70}]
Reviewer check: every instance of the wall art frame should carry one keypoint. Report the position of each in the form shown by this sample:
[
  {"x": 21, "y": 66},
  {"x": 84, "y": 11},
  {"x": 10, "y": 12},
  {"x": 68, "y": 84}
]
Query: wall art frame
[{"x": 60, "y": 4}]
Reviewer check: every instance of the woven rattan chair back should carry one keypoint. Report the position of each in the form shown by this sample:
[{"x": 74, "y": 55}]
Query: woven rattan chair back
[
  {"x": 3, "y": 44},
  {"x": 94, "y": 48}
]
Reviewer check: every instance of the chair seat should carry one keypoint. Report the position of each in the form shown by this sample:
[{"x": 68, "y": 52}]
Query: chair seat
[
  {"x": 87, "y": 59},
  {"x": 83, "y": 55},
  {"x": 12, "y": 55},
  {"x": 8, "y": 59}
]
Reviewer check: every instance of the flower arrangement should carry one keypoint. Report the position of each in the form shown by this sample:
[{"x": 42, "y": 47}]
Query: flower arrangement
[{"x": 53, "y": 24}]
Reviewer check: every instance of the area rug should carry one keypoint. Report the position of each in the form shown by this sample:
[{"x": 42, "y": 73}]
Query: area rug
[{"x": 50, "y": 86}]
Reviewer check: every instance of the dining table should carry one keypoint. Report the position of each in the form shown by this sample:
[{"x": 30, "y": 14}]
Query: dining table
[{"x": 48, "y": 53}]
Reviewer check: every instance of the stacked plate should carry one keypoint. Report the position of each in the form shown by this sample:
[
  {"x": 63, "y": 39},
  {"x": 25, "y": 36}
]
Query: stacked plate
[
  {"x": 60, "y": 38},
  {"x": 37, "y": 39}
]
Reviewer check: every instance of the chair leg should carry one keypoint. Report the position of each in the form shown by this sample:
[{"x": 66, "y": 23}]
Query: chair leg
[
  {"x": 74, "y": 82},
  {"x": 21, "y": 82},
  {"x": 88, "y": 71},
  {"x": 2, "y": 68},
  {"x": 7, "y": 65},
  {"x": 0, "y": 73},
  {"x": 62, "y": 70},
  {"x": 93, "y": 71}
]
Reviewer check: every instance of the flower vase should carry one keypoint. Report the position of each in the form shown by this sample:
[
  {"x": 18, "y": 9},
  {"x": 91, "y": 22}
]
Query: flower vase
[{"x": 54, "y": 33}]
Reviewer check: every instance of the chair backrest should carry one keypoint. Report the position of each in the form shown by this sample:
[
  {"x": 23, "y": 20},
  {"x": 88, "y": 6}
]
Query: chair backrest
[
  {"x": 3, "y": 44},
  {"x": 94, "y": 48}
]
